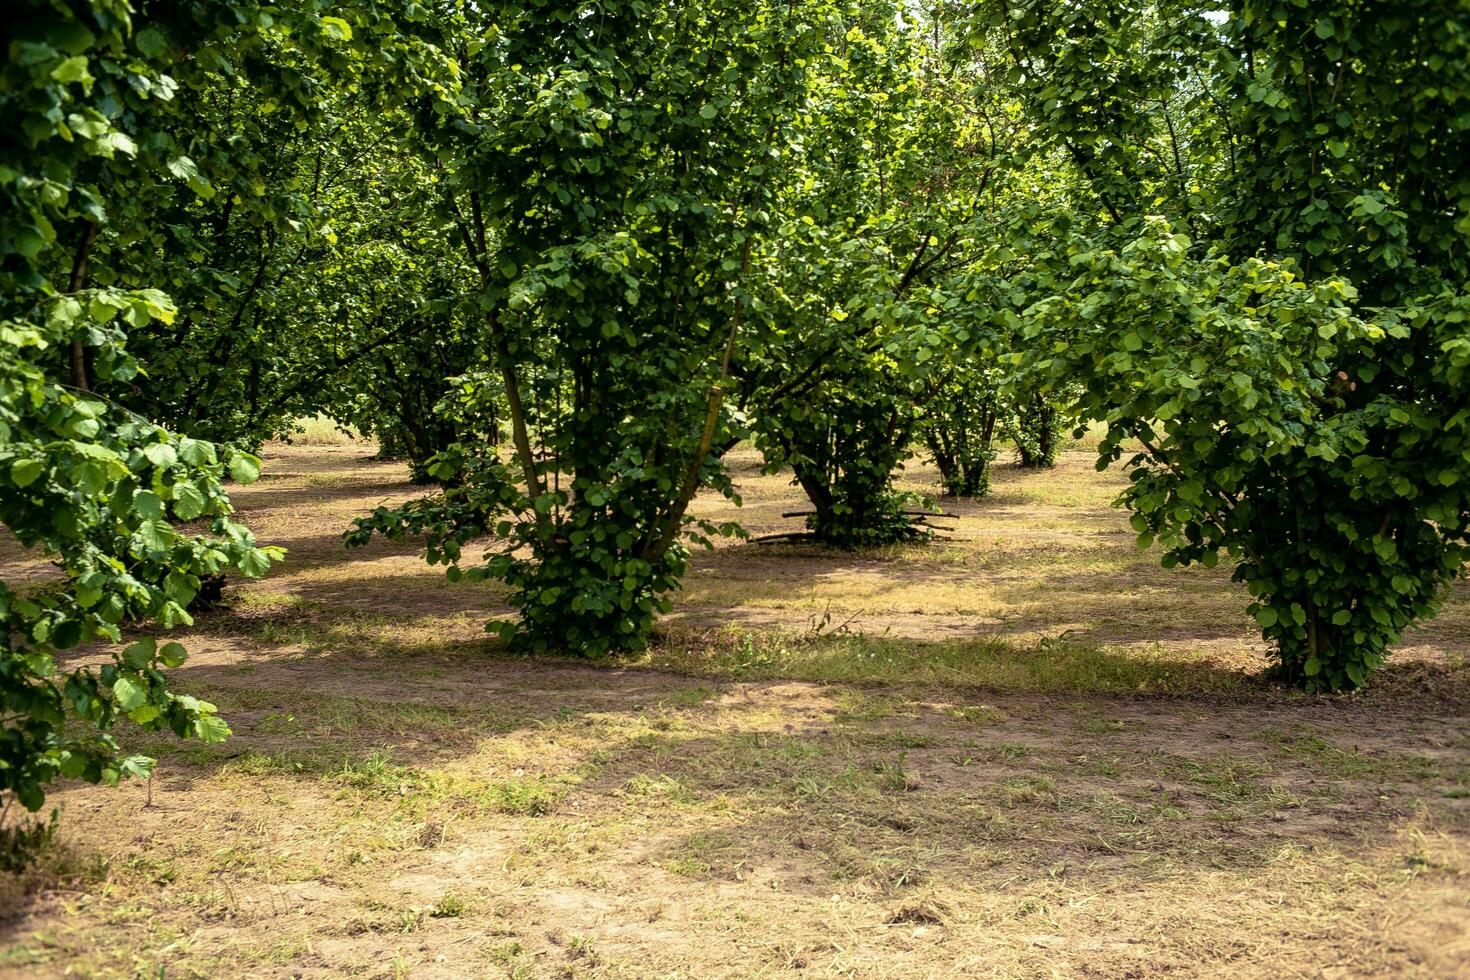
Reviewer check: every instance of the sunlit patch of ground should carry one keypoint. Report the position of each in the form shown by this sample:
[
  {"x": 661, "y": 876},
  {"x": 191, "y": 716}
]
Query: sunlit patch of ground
[{"x": 1027, "y": 751}]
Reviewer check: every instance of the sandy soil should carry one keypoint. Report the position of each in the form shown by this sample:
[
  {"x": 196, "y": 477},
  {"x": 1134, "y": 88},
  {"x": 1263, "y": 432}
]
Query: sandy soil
[{"x": 400, "y": 798}]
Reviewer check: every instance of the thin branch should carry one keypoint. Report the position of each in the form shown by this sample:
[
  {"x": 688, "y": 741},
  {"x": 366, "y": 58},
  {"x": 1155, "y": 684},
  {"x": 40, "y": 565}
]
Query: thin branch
[{"x": 78, "y": 277}]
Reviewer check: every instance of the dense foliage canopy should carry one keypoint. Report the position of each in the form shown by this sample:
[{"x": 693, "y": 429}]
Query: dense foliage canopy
[{"x": 562, "y": 256}]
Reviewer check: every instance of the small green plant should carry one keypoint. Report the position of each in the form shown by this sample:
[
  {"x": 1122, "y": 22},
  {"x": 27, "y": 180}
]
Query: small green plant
[
  {"x": 449, "y": 906},
  {"x": 378, "y": 775},
  {"x": 410, "y": 919},
  {"x": 581, "y": 947},
  {"x": 523, "y": 796}
]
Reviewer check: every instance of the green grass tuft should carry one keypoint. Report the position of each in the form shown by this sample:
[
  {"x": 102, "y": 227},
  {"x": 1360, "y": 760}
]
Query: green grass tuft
[{"x": 1049, "y": 665}]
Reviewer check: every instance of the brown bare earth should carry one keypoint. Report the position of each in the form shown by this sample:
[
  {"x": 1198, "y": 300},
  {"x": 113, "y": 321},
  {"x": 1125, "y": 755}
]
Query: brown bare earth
[{"x": 1026, "y": 751}]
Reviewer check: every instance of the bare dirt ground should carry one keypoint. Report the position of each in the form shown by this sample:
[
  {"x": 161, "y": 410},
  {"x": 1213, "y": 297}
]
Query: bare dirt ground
[{"x": 1027, "y": 751}]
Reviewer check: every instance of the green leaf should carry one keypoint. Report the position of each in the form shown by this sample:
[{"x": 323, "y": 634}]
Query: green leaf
[
  {"x": 160, "y": 454},
  {"x": 211, "y": 728},
  {"x": 156, "y": 536},
  {"x": 72, "y": 70},
  {"x": 143, "y": 714},
  {"x": 127, "y": 693},
  {"x": 196, "y": 452},
  {"x": 255, "y": 563},
  {"x": 188, "y": 501},
  {"x": 139, "y": 655},
  {"x": 244, "y": 468},
  {"x": 148, "y": 505},
  {"x": 336, "y": 28},
  {"x": 188, "y": 171},
  {"x": 151, "y": 42},
  {"x": 24, "y": 472},
  {"x": 113, "y": 142}
]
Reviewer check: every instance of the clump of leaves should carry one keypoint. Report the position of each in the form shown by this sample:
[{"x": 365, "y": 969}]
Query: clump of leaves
[
  {"x": 1255, "y": 448},
  {"x": 85, "y": 484}
]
